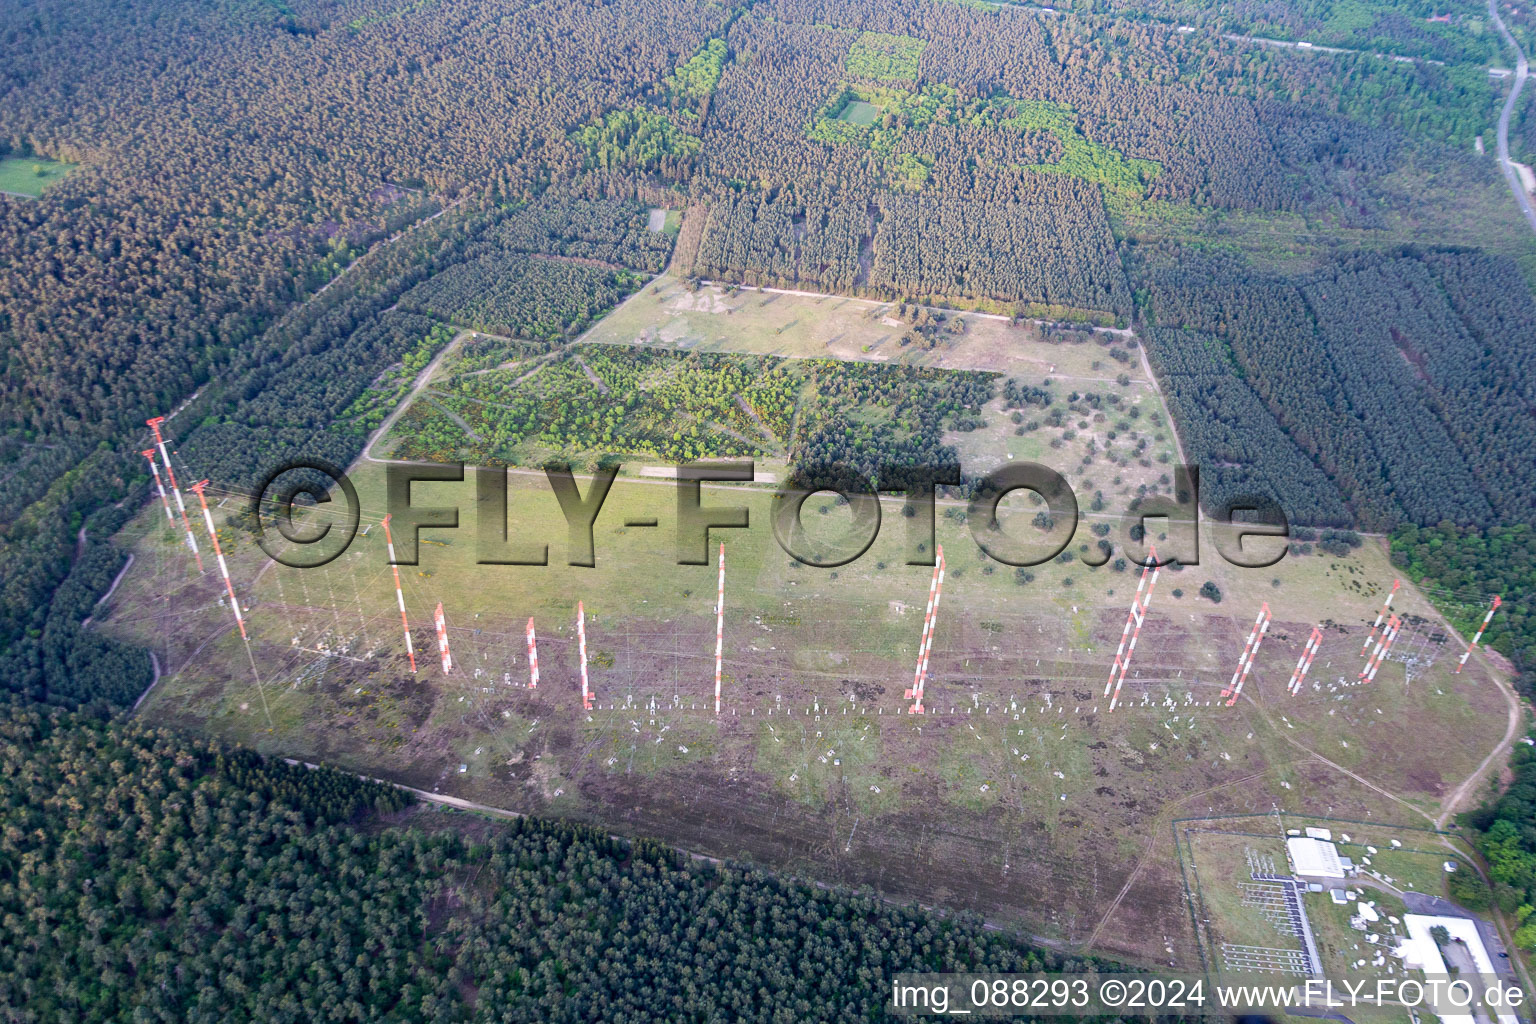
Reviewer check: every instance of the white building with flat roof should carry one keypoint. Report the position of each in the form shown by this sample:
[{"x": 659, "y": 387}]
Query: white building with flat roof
[
  {"x": 1317, "y": 858},
  {"x": 1420, "y": 951}
]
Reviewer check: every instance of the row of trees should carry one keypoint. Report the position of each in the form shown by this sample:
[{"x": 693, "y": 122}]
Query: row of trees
[
  {"x": 1227, "y": 431},
  {"x": 775, "y": 238},
  {"x": 1055, "y": 250},
  {"x": 613, "y": 231},
  {"x": 1398, "y": 374},
  {"x": 524, "y": 296}
]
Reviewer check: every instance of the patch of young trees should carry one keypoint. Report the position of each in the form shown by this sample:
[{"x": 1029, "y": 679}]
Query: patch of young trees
[
  {"x": 614, "y": 231},
  {"x": 779, "y": 240},
  {"x": 521, "y": 295},
  {"x": 684, "y": 406}
]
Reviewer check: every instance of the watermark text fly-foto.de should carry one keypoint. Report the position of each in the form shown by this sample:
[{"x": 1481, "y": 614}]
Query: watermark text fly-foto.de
[{"x": 1253, "y": 531}]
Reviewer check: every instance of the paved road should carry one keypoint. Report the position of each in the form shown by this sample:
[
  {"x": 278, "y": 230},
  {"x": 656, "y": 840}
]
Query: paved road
[
  {"x": 1522, "y": 70},
  {"x": 1302, "y": 46}
]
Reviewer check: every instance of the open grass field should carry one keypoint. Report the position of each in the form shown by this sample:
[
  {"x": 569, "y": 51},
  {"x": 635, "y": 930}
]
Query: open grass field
[
  {"x": 809, "y": 325},
  {"x": 1019, "y": 795},
  {"x": 860, "y": 113},
  {"x": 30, "y": 176}
]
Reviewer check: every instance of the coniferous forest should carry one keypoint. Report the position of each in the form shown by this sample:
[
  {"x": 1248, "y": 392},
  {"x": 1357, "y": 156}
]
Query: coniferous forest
[{"x": 151, "y": 877}]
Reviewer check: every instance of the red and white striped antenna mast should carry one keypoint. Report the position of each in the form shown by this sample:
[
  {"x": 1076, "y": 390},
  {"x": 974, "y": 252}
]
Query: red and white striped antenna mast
[
  {"x": 1304, "y": 663},
  {"x": 389, "y": 542},
  {"x": 922, "y": 642},
  {"x": 154, "y": 424},
  {"x": 442, "y": 639},
  {"x": 218, "y": 552},
  {"x": 719, "y": 627},
  {"x": 581, "y": 645},
  {"x": 925, "y": 644},
  {"x": 1137, "y": 616},
  {"x": 149, "y": 453},
  {"x": 1486, "y": 619},
  {"x": 1250, "y": 652},
  {"x": 1383, "y": 646},
  {"x": 1385, "y": 607},
  {"x": 533, "y": 657}
]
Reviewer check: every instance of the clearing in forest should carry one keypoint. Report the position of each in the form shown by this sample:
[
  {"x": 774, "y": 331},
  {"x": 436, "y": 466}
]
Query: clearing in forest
[
  {"x": 860, "y": 113},
  {"x": 30, "y": 175},
  {"x": 766, "y": 374}
]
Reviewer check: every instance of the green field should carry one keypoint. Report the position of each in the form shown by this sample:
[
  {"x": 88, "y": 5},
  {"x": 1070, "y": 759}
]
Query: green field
[
  {"x": 860, "y": 113},
  {"x": 30, "y": 176}
]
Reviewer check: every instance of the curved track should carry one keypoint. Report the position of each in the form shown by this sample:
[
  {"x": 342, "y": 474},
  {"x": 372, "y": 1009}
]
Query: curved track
[{"x": 1522, "y": 71}]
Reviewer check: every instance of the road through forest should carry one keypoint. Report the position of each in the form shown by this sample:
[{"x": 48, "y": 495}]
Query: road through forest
[{"x": 1522, "y": 71}]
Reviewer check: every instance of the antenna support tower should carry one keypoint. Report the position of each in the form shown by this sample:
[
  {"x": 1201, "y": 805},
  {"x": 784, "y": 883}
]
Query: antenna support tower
[
  {"x": 1132, "y": 630},
  {"x": 1385, "y": 607},
  {"x": 234, "y": 602},
  {"x": 719, "y": 626},
  {"x": 181, "y": 506},
  {"x": 1384, "y": 645},
  {"x": 149, "y": 453},
  {"x": 442, "y": 639},
  {"x": 925, "y": 645},
  {"x": 1250, "y": 652},
  {"x": 533, "y": 657},
  {"x": 581, "y": 646},
  {"x": 389, "y": 542},
  {"x": 1476, "y": 639},
  {"x": 1304, "y": 663}
]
